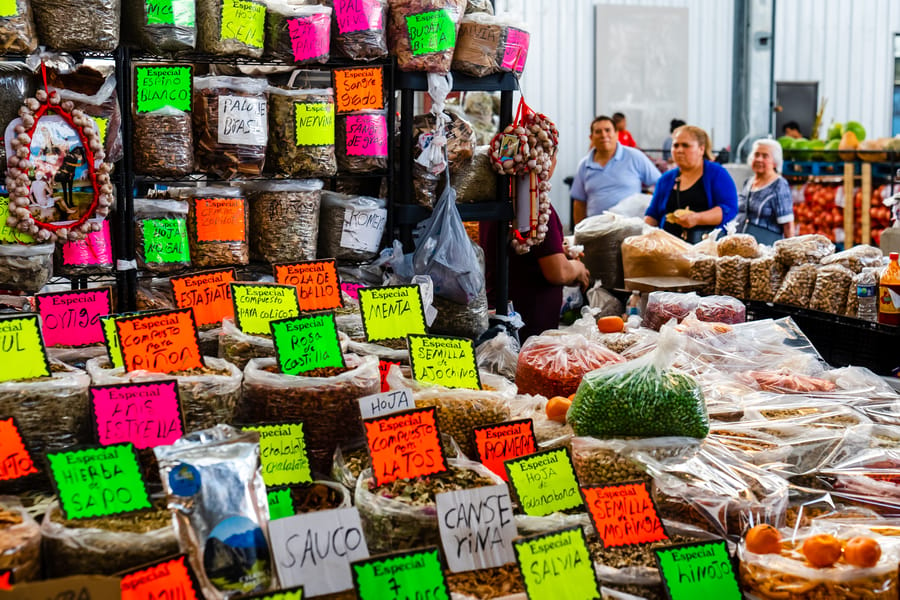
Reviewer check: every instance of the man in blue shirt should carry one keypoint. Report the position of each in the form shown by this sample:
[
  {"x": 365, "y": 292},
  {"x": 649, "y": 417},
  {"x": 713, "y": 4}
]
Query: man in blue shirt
[{"x": 609, "y": 173}]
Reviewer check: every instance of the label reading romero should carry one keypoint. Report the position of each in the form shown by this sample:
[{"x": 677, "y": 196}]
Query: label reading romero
[
  {"x": 500, "y": 442},
  {"x": 447, "y": 361}
]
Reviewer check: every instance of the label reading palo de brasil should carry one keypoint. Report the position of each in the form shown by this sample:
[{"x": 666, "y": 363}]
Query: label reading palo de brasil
[
  {"x": 307, "y": 343},
  {"x": 166, "y": 241},
  {"x": 16, "y": 461},
  {"x": 22, "y": 349},
  {"x": 146, "y": 414},
  {"x": 623, "y": 514},
  {"x": 318, "y": 285},
  {"x": 172, "y": 578},
  {"x": 405, "y": 445},
  {"x": 243, "y": 21},
  {"x": 97, "y": 482},
  {"x": 414, "y": 574},
  {"x": 162, "y": 86},
  {"x": 500, "y": 442},
  {"x": 557, "y": 565},
  {"x": 430, "y": 32},
  {"x": 258, "y": 304},
  {"x": 73, "y": 318},
  {"x": 544, "y": 482},
  {"x": 443, "y": 360},
  {"x": 314, "y": 123},
  {"x": 163, "y": 342},
  {"x": 393, "y": 312},
  {"x": 702, "y": 570},
  {"x": 207, "y": 294},
  {"x": 282, "y": 452}
]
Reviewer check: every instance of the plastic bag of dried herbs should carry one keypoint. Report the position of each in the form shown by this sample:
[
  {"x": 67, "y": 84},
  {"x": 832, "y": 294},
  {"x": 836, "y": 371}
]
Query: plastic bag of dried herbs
[
  {"x": 52, "y": 413},
  {"x": 351, "y": 227},
  {"x": 155, "y": 294},
  {"x": 301, "y": 132},
  {"x": 231, "y": 27},
  {"x": 218, "y": 230},
  {"x": 163, "y": 143},
  {"x": 490, "y": 44},
  {"x": 461, "y": 320},
  {"x": 530, "y": 525},
  {"x": 162, "y": 27},
  {"x": 422, "y": 33},
  {"x": 358, "y": 29},
  {"x": 460, "y": 135},
  {"x": 17, "y": 31},
  {"x": 94, "y": 92},
  {"x": 397, "y": 355},
  {"x": 362, "y": 142},
  {"x": 231, "y": 127},
  {"x": 161, "y": 235},
  {"x": 16, "y": 85},
  {"x": 78, "y": 24},
  {"x": 20, "y": 541},
  {"x": 325, "y": 400},
  {"x": 284, "y": 219},
  {"x": 76, "y": 357},
  {"x": 239, "y": 348},
  {"x": 25, "y": 268},
  {"x": 214, "y": 486},
  {"x": 208, "y": 396},
  {"x": 646, "y": 397},
  {"x": 599, "y": 462},
  {"x": 402, "y": 514},
  {"x": 475, "y": 180},
  {"x": 299, "y": 34},
  {"x": 107, "y": 545}
]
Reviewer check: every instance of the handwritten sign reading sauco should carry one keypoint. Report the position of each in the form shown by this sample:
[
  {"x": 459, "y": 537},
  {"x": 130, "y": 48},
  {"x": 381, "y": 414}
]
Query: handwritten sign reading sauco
[{"x": 393, "y": 312}]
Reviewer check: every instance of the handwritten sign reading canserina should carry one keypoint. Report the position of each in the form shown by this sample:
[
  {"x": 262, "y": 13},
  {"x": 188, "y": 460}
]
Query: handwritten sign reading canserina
[
  {"x": 318, "y": 285},
  {"x": 444, "y": 360},
  {"x": 477, "y": 527},
  {"x": 73, "y": 318},
  {"x": 258, "y": 304},
  {"x": 557, "y": 565},
  {"x": 623, "y": 514},
  {"x": 207, "y": 294},
  {"x": 22, "y": 350},
  {"x": 500, "y": 442},
  {"x": 405, "y": 445},
  {"x": 392, "y": 312},
  {"x": 171, "y": 578},
  {"x": 163, "y": 342},
  {"x": 544, "y": 482},
  {"x": 316, "y": 549},
  {"x": 701, "y": 570},
  {"x": 145, "y": 414}
]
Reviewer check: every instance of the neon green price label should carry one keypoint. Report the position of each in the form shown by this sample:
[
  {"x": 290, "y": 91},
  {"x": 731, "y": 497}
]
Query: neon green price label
[
  {"x": 314, "y": 123},
  {"x": 403, "y": 575},
  {"x": 244, "y": 21},
  {"x": 447, "y": 361},
  {"x": 166, "y": 241},
  {"x": 22, "y": 349},
  {"x": 280, "y": 504},
  {"x": 307, "y": 343},
  {"x": 291, "y": 594},
  {"x": 282, "y": 450},
  {"x": 102, "y": 126},
  {"x": 10, "y": 235},
  {"x": 8, "y": 8},
  {"x": 557, "y": 565},
  {"x": 702, "y": 570},
  {"x": 97, "y": 482},
  {"x": 170, "y": 12},
  {"x": 157, "y": 87},
  {"x": 392, "y": 312},
  {"x": 113, "y": 349},
  {"x": 258, "y": 304},
  {"x": 545, "y": 482},
  {"x": 430, "y": 32}
]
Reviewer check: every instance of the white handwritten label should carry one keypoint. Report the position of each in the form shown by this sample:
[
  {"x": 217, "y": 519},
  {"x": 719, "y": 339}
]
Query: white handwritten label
[
  {"x": 315, "y": 550},
  {"x": 363, "y": 228},
  {"x": 477, "y": 527},
  {"x": 243, "y": 120},
  {"x": 386, "y": 403}
]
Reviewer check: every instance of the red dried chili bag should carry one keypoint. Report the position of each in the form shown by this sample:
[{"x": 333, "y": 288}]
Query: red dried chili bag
[{"x": 553, "y": 365}]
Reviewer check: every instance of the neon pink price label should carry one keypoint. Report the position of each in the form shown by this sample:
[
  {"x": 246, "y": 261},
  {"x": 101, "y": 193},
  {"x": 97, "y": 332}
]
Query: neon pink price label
[
  {"x": 95, "y": 249},
  {"x": 358, "y": 15},
  {"x": 516, "y": 50},
  {"x": 309, "y": 36},
  {"x": 351, "y": 289},
  {"x": 73, "y": 318},
  {"x": 366, "y": 135},
  {"x": 144, "y": 414}
]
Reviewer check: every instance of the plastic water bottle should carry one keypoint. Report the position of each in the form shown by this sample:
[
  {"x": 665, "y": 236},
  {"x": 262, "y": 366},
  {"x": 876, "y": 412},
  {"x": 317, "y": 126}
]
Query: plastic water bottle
[
  {"x": 633, "y": 307},
  {"x": 867, "y": 295}
]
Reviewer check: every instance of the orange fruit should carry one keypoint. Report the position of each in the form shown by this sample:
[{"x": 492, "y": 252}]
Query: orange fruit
[
  {"x": 610, "y": 324},
  {"x": 862, "y": 552},
  {"x": 822, "y": 550},
  {"x": 763, "y": 539},
  {"x": 557, "y": 407}
]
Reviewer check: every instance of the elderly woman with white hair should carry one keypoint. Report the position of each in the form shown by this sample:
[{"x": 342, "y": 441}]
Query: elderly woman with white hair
[{"x": 765, "y": 207}]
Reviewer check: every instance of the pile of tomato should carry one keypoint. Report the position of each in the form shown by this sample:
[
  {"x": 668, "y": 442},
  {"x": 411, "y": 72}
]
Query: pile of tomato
[{"x": 819, "y": 212}]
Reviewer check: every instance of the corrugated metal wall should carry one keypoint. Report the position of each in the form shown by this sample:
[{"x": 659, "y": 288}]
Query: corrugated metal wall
[{"x": 847, "y": 46}]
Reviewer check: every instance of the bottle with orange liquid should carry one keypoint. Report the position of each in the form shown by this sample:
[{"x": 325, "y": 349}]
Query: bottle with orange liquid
[{"x": 889, "y": 293}]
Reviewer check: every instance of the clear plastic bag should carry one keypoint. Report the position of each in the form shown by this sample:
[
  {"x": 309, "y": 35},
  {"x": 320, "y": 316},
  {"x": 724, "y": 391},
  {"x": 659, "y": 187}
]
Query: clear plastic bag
[
  {"x": 555, "y": 365},
  {"x": 549, "y": 434},
  {"x": 732, "y": 276},
  {"x": 601, "y": 462},
  {"x": 301, "y": 132},
  {"x": 461, "y": 320},
  {"x": 446, "y": 254},
  {"x": 414, "y": 36},
  {"x": 738, "y": 244},
  {"x": 26, "y": 268},
  {"x": 721, "y": 309},
  {"x": 830, "y": 291},
  {"x": 297, "y": 33},
  {"x": 766, "y": 276},
  {"x": 664, "y": 306},
  {"x": 160, "y": 31},
  {"x": 78, "y": 24},
  {"x": 656, "y": 254},
  {"x": 163, "y": 143},
  {"x": 798, "y": 285},
  {"x": 239, "y": 348},
  {"x": 243, "y": 32},
  {"x": 461, "y": 142},
  {"x": 498, "y": 355},
  {"x": 856, "y": 258},
  {"x": 358, "y": 29},
  {"x": 803, "y": 249},
  {"x": 475, "y": 180},
  {"x": 218, "y": 227},
  {"x": 489, "y": 44},
  {"x": 602, "y": 237},
  {"x": 645, "y": 397},
  {"x": 327, "y": 405},
  {"x": 284, "y": 219},
  {"x": 17, "y": 32},
  {"x": 207, "y": 398},
  {"x": 351, "y": 227},
  {"x": 161, "y": 235},
  {"x": 20, "y": 541},
  {"x": 230, "y": 124},
  {"x": 703, "y": 268}
]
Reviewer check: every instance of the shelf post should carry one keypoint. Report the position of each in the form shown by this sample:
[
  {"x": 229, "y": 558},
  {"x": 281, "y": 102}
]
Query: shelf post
[{"x": 848, "y": 204}]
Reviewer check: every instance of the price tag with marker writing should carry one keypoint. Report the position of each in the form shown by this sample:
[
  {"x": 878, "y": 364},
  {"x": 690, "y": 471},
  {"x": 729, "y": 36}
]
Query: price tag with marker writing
[
  {"x": 500, "y": 442},
  {"x": 477, "y": 527},
  {"x": 162, "y": 342},
  {"x": 699, "y": 570},
  {"x": 623, "y": 514},
  {"x": 544, "y": 482},
  {"x": 444, "y": 360},
  {"x": 557, "y": 565},
  {"x": 158, "y": 86},
  {"x": 22, "y": 348},
  {"x": 307, "y": 343},
  {"x": 146, "y": 414},
  {"x": 207, "y": 294},
  {"x": 16, "y": 462},
  {"x": 73, "y": 318},
  {"x": 282, "y": 451},
  {"x": 359, "y": 89},
  {"x": 405, "y": 445},
  {"x": 412, "y": 574},
  {"x": 170, "y": 578},
  {"x": 317, "y": 281},
  {"x": 391, "y": 312},
  {"x": 258, "y": 304}
]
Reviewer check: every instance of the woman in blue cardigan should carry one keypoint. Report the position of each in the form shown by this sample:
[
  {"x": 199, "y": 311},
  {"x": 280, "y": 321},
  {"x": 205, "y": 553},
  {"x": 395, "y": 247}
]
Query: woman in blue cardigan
[{"x": 698, "y": 195}]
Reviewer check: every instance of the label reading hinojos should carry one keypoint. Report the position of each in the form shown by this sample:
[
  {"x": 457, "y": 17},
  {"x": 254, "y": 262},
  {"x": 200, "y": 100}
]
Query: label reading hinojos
[{"x": 244, "y": 21}]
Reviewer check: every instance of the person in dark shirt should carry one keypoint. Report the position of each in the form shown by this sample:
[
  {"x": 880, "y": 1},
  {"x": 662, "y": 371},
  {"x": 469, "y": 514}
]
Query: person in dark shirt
[{"x": 65, "y": 176}]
